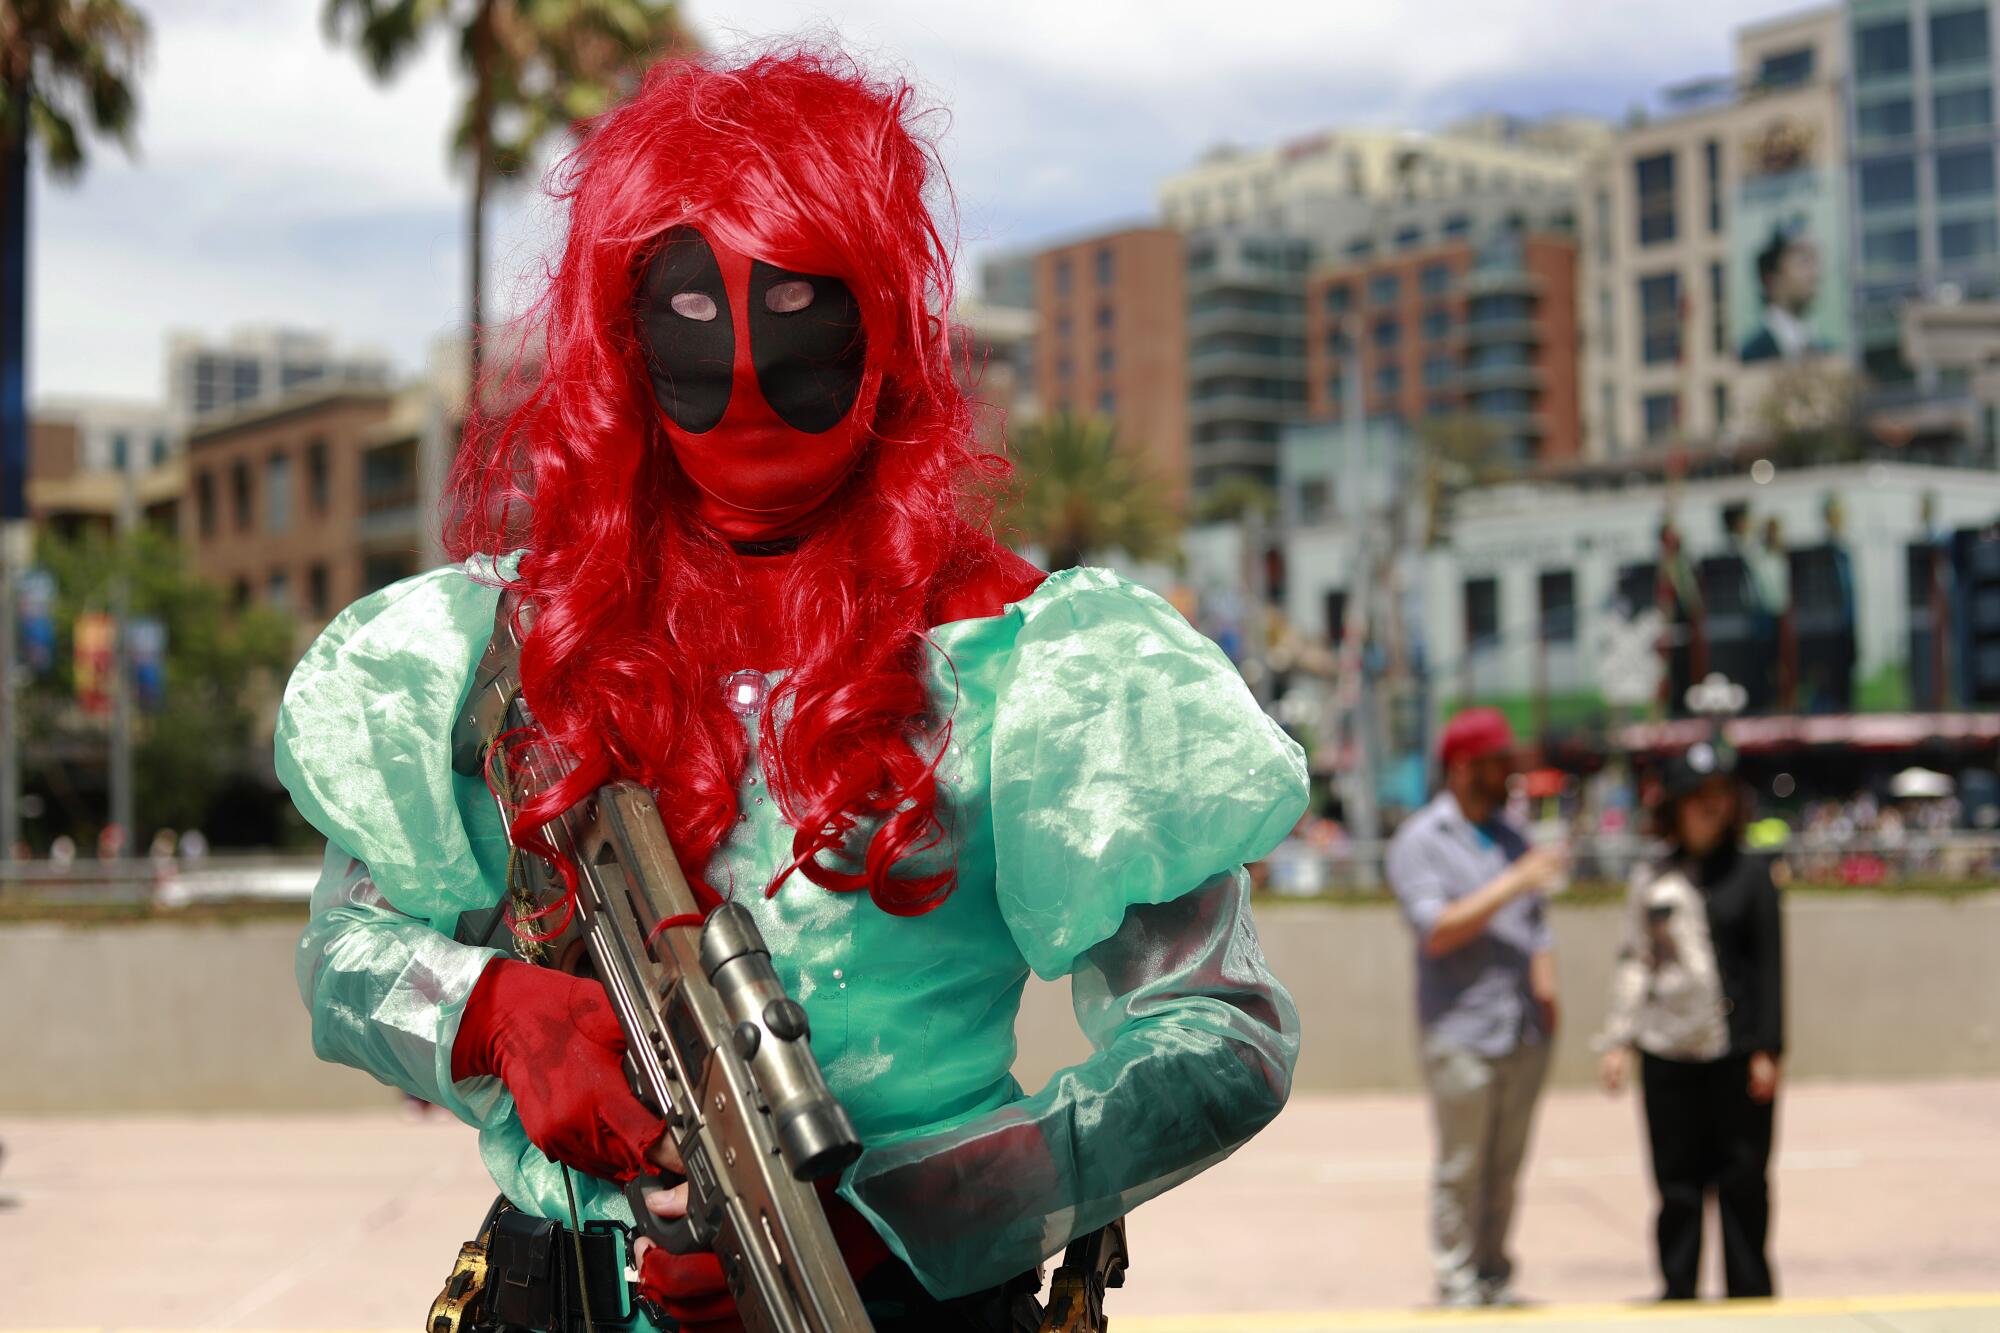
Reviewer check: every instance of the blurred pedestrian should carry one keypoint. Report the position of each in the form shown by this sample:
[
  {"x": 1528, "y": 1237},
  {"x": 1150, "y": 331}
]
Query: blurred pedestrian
[
  {"x": 1472, "y": 890},
  {"x": 1699, "y": 991}
]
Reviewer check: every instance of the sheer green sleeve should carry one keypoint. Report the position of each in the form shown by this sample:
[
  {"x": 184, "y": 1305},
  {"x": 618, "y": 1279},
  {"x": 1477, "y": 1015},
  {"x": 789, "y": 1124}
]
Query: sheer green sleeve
[
  {"x": 386, "y": 991},
  {"x": 1195, "y": 1042},
  {"x": 1132, "y": 776},
  {"x": 363, "y": 743}
]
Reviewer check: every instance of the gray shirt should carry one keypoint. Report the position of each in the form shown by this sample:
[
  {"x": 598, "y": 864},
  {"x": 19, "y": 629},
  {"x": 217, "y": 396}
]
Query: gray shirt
[{"x": 1476, "y": 996}]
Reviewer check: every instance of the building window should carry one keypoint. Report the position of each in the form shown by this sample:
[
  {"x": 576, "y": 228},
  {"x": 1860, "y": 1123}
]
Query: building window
[
  {"x": 1960, "y": 39},
  {"x": 1600, "y": 212},
  {"x": 1384, "y": 289},
  {"x": 160, "y": 450},
  {"x": 1882, "y": 50},
  {"x": 1555, "y": 597},
  {"x": 1361, "y": 249},
  {"x": 1105, "y": 360},
  {"x": 239, "y": 494},
  {"x": 120, "y": 452},
  {"x": 1660, "y": 318},
  {"x": 1889, "y": 248},
  {"x": 1718, "y": 312},
  {"x": 1388, "y": 332},
  {"x": 1437, "y": 323},
  {"x": 1973, "y": 238},
  {"x": 1718, "y": 401},
  {"x": 1339, "y": 299},
  {"x": 1660, "y": 411},
  {"x": 278, "y": 591},
  {"x": 1786, "y": 69},
  {"x": 1409, "y": 238},
  {"x": 1439, "y": 371},
  {"x": 1389, "y": 381},
  {"x": 1967, "y": 109},
  {"x": 1065, "y": 277},
  {"x": 1711, "y": 153},
  {"x": 317, "y": 597},
  {"x": 1107, "y": 403},
  {"x": 1482, "y": 613},
  {"x": 1104, "y": 318},
  {"x": 1965, "y": 173},
  {"x": 1656, "y": 198},
  {"x": 278, "y": 493},
  {"x": 1436, "y": 279},
  {"x": 1062, "y": 326},
  {"x": 1607, "y": 410},
  {"x": 1607, "y": 323},
  {"x": 1457, "y": 227},
  {"x": 1104, "y": 266},
  {"x": 1893, "y": 118},
  {"x": 319, "y": 485},
  {"x": 204, "y": 503},
  {"x": 1889, "y": 182},
  {"x": 1063, "y": 367}
]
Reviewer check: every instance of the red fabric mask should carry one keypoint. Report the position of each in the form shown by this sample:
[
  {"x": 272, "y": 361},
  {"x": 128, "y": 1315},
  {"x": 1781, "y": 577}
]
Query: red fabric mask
[{"x": 760, "y": 375}]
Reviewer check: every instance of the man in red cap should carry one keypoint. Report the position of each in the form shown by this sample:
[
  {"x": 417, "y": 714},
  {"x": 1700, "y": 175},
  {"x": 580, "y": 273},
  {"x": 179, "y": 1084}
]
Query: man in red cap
[{"x": 1473, "y": 891}]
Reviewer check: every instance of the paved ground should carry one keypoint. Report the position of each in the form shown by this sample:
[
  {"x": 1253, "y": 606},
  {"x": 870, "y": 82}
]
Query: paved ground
[{"x": 1888, "y": 1221}]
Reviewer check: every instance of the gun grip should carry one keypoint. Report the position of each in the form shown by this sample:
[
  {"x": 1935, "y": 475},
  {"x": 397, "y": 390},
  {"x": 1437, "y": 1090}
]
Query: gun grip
[{"x": 673, "y": 1234}]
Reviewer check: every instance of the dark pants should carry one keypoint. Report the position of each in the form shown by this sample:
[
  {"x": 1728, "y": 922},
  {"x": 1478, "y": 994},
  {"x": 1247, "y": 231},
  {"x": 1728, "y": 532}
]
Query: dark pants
[{"x": 1708, "y": 1135}]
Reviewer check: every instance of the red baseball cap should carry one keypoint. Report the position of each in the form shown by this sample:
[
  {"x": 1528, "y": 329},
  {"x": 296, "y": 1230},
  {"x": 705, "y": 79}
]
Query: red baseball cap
[{"x": 1474, "y": 734}]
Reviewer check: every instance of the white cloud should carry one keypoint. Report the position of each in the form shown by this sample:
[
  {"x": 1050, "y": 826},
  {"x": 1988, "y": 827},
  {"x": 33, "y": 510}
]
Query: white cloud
[{"x": 278, "y": 182}]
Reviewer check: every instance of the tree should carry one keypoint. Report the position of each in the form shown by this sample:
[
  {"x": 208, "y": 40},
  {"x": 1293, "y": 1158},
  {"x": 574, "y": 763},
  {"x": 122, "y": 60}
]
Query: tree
[
  {"x": 66, "y": 71},
  {"x": 1458, "y": 452},
  {"x": 537, "y": 68},
  {"x": 1234, "y": 498},
  {"x": 1075, "y": 492},
  {"x": 199, "y": 741}
]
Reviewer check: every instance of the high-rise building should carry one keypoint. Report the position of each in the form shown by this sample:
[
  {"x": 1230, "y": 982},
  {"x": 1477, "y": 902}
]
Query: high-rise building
[
  {"x": 1246, "y": 351},
  {"x": 1335, "y": 183},
  {"x": 1111, "y": 341},
  {"x": 1925, "y": 163},
  {"x": 1485, "y": 329},
  {"x": 259, "y": 365},
  {"x": 1714, "y": 241}
]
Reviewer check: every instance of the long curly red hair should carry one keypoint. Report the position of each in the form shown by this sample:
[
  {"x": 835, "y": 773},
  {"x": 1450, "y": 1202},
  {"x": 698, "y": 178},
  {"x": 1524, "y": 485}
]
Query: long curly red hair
[{"x": 803, "y": 159}]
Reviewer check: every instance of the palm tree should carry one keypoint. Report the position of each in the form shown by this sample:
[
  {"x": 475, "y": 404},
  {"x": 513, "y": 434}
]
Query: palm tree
[
  {"x": 66, "y": 70},
  {"x": 1075, "y": 492},
  {"x": 537, "y": 69}
]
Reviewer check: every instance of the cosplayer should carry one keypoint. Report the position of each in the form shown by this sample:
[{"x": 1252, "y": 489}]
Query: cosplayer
[{"x": 739, "y": 498}]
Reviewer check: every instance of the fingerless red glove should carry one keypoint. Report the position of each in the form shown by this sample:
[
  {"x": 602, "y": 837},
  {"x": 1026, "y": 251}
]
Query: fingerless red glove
[
  {"x": 555, "y": 1042},
  {"x": 692, "y": 1289}
]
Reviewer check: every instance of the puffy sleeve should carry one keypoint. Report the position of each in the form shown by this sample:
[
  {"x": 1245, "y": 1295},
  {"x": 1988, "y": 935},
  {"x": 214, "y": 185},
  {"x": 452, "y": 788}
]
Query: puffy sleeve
[
  {"x": 1129, "y": 765},
  {"x": 363, "y": 744},
  {"x": 1132, "y": 777}
]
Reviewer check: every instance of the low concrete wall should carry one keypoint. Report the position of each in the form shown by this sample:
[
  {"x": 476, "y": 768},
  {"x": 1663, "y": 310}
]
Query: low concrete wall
[{"x": 169, "y": 1017}]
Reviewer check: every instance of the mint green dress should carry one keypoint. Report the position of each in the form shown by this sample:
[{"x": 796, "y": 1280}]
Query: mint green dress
[{"x": 1106, "y": 777}]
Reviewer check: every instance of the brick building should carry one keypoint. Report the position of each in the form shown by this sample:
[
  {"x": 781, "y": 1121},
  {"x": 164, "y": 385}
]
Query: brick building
[
  {"x": 1487, "y": 329},
  {"x": 310, "y": 503},
  {"x": 1111, "y": 315}
]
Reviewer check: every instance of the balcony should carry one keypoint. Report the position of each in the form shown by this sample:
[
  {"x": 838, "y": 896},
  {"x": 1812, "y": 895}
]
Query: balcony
[
  {"x": 1243, "y": 407},
  {"x": 1509, "y": 329},
  {"x": 1473, "y": 379},
  {"x": 1240, "y": 319},
  {"x": 1233, "y": 361},
  {"x": 1502, "y": 281}
]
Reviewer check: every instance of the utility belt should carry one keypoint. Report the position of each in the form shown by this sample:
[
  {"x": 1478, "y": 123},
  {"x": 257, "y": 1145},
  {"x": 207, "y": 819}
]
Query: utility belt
[{"x": 530, "y": 1274}]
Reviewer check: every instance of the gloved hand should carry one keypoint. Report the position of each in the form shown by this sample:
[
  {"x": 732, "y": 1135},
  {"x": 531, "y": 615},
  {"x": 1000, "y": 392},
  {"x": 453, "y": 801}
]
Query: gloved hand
[
  {"x": 555, "y": 1042},
  {"x": 691, "y": 1288}
]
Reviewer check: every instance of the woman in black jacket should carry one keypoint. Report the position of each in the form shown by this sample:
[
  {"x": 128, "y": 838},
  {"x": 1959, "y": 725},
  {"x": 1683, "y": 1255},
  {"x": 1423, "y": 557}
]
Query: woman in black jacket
[{"x": 1699, "y": 991}]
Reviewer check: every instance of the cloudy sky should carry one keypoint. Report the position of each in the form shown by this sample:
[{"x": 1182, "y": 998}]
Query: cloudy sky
[{"x": 275, "y": 183}]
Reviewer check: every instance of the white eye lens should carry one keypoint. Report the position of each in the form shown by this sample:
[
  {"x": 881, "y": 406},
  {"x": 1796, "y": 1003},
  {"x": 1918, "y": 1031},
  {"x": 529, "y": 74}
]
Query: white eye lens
[
  {"x": 785, "y": 297},
  {"x": 693, "y": 305}
]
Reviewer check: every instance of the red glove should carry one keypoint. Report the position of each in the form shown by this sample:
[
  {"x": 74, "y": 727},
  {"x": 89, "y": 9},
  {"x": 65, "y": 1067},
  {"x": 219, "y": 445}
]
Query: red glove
[
  {"x": 692, "y": 1289},
  {"x": 556, "y": 1044}
]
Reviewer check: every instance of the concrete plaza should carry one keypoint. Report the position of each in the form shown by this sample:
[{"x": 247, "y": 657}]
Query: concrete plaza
[{"x": 1888, "y": 1220}]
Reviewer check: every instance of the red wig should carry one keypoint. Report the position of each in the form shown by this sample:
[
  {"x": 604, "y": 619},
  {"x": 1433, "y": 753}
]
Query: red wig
[{"x": 803, "y": 160}]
